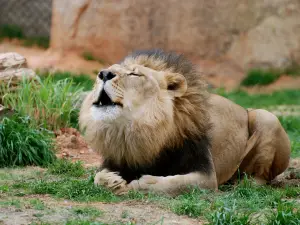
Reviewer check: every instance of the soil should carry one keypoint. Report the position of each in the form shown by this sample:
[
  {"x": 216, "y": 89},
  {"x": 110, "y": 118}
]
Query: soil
[
  {"x": 70, "y": 144},
  {"x": 132, "y": 212}
]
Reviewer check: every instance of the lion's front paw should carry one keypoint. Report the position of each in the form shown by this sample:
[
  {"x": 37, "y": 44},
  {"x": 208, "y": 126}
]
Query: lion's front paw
[
  {"x": 147, "y": 183},
  {"x": 110, "y": 180}
]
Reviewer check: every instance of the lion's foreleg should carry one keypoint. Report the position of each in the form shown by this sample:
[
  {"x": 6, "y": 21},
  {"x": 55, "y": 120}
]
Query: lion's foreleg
[{"x": 174, "y": 185}]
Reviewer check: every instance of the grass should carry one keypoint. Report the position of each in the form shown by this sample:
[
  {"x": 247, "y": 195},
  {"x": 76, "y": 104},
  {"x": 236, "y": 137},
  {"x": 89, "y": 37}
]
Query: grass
[
  {"x": 87, "y": 211},
  {"x": 283, "y": 97},
  {"x": 90, "y": 57},
  {"x": 11, "y": 31},
  {"x": 22, "y": 145},
  {"x": 50, "y": 104},
  {"x": 67, "y": 168},
  {"x": 244, "y": 203},
  {"x": 260, "y": 77},
  {"x": 78, "y": 80}
]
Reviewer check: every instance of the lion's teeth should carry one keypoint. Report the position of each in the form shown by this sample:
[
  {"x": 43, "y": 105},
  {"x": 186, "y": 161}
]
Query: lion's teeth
[{"x": 100, "y": 103}]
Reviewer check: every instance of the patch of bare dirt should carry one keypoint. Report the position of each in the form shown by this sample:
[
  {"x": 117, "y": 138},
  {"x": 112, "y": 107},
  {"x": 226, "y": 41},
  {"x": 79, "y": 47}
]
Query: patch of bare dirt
[
  {"x": 70, "y": 144},
  {"x": 113, "y": 213},
  {"x": 291, "y": 177},
  {"x": 50, "y": 60}
]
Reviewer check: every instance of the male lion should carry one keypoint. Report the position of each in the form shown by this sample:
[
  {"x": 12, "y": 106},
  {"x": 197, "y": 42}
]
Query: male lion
[{"x": 158, "y": 129}]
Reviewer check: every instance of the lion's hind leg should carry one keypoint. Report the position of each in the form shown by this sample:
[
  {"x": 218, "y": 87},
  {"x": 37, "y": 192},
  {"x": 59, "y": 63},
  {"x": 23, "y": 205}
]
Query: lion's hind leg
[{"x": 270, "y": 154}]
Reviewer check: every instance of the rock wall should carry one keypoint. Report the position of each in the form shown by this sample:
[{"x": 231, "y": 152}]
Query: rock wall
[{"x": 241, "y": 33}]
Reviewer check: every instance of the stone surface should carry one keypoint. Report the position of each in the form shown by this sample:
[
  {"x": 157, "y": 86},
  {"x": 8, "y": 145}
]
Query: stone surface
[
  {"x": 13, "y": 68},
  {"x": 241, "y": 33}
]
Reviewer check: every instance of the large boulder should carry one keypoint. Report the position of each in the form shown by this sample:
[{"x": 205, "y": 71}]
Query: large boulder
[{"x": 241, "y": 33}]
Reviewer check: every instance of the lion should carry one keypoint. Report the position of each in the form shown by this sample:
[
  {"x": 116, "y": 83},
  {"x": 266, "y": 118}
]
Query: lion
[{"x": 159, "y": 129}]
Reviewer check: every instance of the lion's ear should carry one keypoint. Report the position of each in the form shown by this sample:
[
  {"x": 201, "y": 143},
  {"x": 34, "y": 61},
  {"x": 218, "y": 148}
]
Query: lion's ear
[{"x": 176, "y": 84}]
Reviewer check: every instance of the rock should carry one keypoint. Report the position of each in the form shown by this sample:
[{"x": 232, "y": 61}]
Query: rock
[
  {"x": 266, "y": 33},
  {"x": 13, "y": 68}
]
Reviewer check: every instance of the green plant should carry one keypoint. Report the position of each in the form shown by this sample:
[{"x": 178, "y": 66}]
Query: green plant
[
  {"x": 87, "y": 211},
  {"x": 42, "y": 42},
  {"x": 37, "y": 204},
  {"x": 285, "y": 213},
  {"x": 11, "y": 31},
  {"x": 229, "y": 215},
  {"x": 88, "y": 56},
  {"x": 50, "y": 104},
  {"x": 260, "y": 77},
  {"x": 78, "y": 80},
  {"x": 22, "y": 145},
  {"x": 286, "y": 97},
  {"x": 67, "y": 168}
]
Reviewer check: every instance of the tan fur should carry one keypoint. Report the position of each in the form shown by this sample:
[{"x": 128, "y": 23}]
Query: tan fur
[{"x": 160, "y": 117}]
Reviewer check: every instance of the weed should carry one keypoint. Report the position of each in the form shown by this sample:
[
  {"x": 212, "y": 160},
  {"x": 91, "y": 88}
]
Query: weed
[
  {"x": 286, "y": 97},
  {"x": 73, "y": 189},
  {"x": 285, "y": 213},
  {"x": 229, "y": 215},
  {"x": 87, "y": 211},
  {"x": 190, "y": 204},
  {"x": 260, "y": 77},
  {"x": 67, "y": 168},
  {"x": 22, "y": 145},
  {"x": 42, "y": 42},
  {"x": 90, "y": 57},
  {"x": 11, "y": 31},
  {"x": 16, "y": 203},
  {"x": 78, "y": 80},
  {"x": 37, "y": 204},
  {"x": 50, "y": 104}
]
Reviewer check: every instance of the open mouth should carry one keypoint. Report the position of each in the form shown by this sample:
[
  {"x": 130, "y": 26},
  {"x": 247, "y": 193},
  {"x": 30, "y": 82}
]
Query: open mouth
[{"x": 105, "y": 100}]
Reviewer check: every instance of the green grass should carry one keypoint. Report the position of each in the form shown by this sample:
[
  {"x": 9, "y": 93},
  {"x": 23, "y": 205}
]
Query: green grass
[
  {"x": 260, "y": 77},
  {"x": 50, "y": 104},
  {"x": 284, "y": 97},
  {"x": 267, "y": 76},
  {"x": 13, "y": 31},
  {"x": 90, "y": 57},
  {"x": 87, "y": 211},
  {"x": 67, "y": 168},
  {"x": 42, "y": 42},
  {"x": 37, "y": 204},
  {"x": 22, "y": 145},
  {"x": 245, "y": 203},
  {"x": 78, "y": 80}
]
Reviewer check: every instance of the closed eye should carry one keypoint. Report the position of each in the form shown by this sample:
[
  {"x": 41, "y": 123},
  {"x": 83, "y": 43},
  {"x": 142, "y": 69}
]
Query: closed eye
[{"x": 134, "y": 74}]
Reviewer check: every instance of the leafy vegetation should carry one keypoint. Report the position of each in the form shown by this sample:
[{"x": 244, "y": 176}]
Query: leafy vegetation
[
  {"x": 50, "y": 104},
  {"x": 268, "y": 76},
  {"x": 67, "y": 168},
  {"x": 260, "y": 77},
  {"x": 13, "y": 31},
  {"x": 90, "y": 57},
  {"x": 244, "y": 203},
  {"x": 286, "y": 97},
  {"x": 22, "y": 145},
  {"x": 78, "y": 80}
]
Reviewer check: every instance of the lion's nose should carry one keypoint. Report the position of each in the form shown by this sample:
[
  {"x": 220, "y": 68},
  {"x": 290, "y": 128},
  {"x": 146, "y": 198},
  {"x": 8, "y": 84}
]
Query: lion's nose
[{"x": 106, "y": 75}]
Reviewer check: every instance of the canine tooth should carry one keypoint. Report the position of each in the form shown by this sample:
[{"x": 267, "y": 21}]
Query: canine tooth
[{"x": 100, "y": 103}]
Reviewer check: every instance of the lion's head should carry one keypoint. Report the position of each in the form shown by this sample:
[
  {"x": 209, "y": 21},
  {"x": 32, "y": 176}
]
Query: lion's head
[{"x": 150, "y": 100}]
